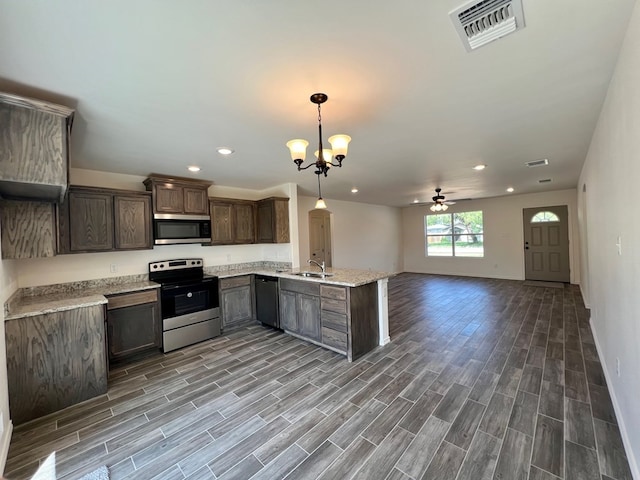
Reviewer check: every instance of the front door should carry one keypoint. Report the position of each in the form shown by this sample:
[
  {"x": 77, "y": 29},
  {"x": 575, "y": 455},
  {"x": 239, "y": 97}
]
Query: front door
[
  {"x": 546, "y": 244},
  {"x": 320, "y": 236}
]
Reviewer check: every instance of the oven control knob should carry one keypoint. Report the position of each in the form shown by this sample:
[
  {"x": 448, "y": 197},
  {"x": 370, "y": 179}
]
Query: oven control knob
[
  {"x": 155, "y": 266},
  {"x": 162, "y": 265},
  {"x": 189, "y": 295}
]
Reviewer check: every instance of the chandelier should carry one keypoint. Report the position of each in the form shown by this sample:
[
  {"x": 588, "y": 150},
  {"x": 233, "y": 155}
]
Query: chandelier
[
  {"x": 324, "y": 157},
  {"x": 438, "y": 202}
]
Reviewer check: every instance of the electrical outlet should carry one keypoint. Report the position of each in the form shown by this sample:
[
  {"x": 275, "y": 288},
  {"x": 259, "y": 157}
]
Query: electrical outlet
[
  {"x": 113, "y": 268},
  {"x": 617, "y": 366},
  {"x": 228, "y": 257},
  {"x": 619, "y": 245}
]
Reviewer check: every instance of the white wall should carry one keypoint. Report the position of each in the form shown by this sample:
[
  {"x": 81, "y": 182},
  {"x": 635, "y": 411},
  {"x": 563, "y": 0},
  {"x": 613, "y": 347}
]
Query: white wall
[
  {"x": 364, "y": 236},
  {"x": 503, "y": 241},
  {"x": 88, "y": 266},
  {"x": 611, "y": 173},
  {"x": 8, "y": 285}
]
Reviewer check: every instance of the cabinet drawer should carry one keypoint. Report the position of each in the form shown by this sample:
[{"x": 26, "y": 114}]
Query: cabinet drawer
[
  {"x": 334, "y": 339},
  {"x": 308, "y": 288},
  {"x": 235, "y": 281},
  {"x": 335, "y": 321},
  {"x": 331, "y": 305},
  {"x": 337, "y": 293},
  {"x": 129, "y": 299}
]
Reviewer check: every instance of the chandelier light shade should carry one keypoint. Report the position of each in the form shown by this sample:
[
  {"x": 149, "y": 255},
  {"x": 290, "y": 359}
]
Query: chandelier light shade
[{"x": 337, "y": 152}]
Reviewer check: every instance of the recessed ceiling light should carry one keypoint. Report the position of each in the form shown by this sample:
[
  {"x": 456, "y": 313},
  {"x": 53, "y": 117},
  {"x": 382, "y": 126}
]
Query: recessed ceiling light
[
  {"x": 225, "y": 151},
  {"x": 354, "y": 190},
  {"x": 510, "y": 189},
  {"x": 193, "y": 168},
  {"x": 416, "y": 201},
  {"x": 480, "y": 167}
]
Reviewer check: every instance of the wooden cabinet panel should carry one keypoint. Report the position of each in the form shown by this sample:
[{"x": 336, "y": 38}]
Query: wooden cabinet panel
[
  {"x": 288, "y": 311},
  {"x": 300, "y": 286},
  {"x": 195, "y": 201},
  {"x": 34, "y": 155},
  {"x": 28, "y": 229},
  {"x": 132, "y": 330},
  {"x": 178, "y": 195},
  {"x": 55, "y": 360},
  {"x": 308, "y": 310},
  {"x": 236, "y": 305},
  {"x": 335, "y": 339},
  {"x": 91, "y": 221},
  {"x": 335, "y": 321},
  {"x": 132, "y": 222},
  {"x": 168, "y": 199},
  {"x": 237, "y": 302},
  {"x": 244, "y": 222},
  {"x": 232, "y": 221},
  {"x": 221, "y": 223},
  {"x": 273, "y": 220}
]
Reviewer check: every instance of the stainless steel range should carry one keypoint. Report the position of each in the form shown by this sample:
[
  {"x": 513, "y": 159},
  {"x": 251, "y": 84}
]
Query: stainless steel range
[{"x": 190, "y": 304}]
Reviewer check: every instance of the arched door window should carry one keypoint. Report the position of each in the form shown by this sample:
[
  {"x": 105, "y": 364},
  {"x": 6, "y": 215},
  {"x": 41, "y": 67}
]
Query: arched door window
[{"x": 544, "y": 216}]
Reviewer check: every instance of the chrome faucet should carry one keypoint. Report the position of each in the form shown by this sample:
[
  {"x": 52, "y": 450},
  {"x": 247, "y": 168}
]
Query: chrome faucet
[{"x": 318, "y": 264}]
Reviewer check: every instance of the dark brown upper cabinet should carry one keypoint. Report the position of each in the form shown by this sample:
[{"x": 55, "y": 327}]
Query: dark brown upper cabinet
[
  {"x": 98, "y": 220},
  {"x": 34, "y": 148},
  {"x": 178, "y": 195},
  {"x": 232, "y": 221},
  {"x": 273, "y": 220}
]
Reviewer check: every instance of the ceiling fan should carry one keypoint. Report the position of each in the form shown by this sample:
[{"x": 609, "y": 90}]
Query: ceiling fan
[{"x": 439, "y": 203}]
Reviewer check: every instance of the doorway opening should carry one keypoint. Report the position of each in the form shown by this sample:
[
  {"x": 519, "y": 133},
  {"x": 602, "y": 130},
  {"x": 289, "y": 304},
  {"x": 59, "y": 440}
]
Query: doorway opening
[{"x": 320, "y": 237}]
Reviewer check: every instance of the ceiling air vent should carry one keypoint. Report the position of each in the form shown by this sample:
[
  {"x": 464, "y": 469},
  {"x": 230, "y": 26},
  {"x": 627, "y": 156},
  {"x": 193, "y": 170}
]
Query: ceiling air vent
[
  {"x": 545, "y": 180},
  {"x": 537, "y": 163},
  {"x": 479, "y": 23}
]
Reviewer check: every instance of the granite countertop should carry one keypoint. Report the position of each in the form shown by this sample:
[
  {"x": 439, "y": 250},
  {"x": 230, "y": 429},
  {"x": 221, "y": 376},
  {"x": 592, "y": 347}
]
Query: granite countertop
[
  {"x": 339, "y": 276},
  {"x": 51, "y": 301}
]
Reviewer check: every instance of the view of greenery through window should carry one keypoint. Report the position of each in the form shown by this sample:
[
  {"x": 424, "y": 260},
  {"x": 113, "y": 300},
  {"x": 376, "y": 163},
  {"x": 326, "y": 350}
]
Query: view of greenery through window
[{"x": 454, "y": 235}]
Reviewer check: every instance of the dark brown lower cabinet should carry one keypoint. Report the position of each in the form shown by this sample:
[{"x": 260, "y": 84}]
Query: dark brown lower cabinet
[
  {"x": 344, "y": 319},
  {"x": 134, "y": 326},
  {"x": 300, "y": 308},
  {"x": 55, "y": 360},
  {"x": 237, "y": 300}
]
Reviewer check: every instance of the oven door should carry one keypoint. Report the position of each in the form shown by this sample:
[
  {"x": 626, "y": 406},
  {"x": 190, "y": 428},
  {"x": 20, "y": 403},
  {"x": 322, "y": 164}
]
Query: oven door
[{"x": 183, "y": 299}]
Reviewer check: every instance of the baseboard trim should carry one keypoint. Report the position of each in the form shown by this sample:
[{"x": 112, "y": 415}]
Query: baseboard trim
[
  {"x": 586, "y": 304},
  {"x": 4, "y": 445},
  {"x": 384, "y": 341},
  {"x": 633, "y": 464}
]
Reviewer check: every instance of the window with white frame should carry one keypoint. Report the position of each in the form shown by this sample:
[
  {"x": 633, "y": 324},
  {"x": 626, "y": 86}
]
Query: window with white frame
[{"x": 454, "y": 234}]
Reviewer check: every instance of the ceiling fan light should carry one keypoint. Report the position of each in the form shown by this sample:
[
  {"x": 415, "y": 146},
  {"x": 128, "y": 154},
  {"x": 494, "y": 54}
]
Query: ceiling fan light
[
  {"x": 340, "y": 144},
  {"x": 444, "y": 207},
  {"x": 298, "y": 148},
  {"x": 432, "y": 207},
  {"x": 320, "y": 203}
]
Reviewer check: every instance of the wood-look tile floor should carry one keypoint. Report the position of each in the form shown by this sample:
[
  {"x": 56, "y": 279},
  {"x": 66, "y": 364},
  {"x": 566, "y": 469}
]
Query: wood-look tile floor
[{"x": 483, "y": 379}]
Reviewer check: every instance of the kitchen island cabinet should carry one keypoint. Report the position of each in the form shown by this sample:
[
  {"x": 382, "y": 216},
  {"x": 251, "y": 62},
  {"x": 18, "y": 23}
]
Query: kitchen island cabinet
[{"x": 343, "y": 319}]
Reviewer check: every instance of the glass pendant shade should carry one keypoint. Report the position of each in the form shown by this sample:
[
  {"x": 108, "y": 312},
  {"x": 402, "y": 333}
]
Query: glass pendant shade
[
  {"x": 320, "y": 203},
  {"x": 444, "y": 207},
  {"x": 327, "y": 154},
  {"x": 298, "y": 148},
  {"x": 340, "y": 144}
]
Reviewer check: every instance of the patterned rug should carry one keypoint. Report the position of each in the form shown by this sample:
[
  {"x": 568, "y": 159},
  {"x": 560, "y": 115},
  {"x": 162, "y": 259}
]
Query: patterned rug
[
  {"x": 536, "y": 283},
  {"x": 101, "y": 473}
]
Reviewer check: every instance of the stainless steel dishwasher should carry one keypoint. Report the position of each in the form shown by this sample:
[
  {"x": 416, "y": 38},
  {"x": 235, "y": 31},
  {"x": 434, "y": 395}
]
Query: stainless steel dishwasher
[{"x": 267, "y": 300}]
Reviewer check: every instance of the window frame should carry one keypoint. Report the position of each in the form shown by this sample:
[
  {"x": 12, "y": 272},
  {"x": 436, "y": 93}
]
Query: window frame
[{"x": 452, "y": 234}]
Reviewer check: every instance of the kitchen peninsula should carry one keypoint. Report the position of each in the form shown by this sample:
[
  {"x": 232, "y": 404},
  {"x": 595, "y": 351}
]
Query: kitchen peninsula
[{"x": 56, "y": 338}]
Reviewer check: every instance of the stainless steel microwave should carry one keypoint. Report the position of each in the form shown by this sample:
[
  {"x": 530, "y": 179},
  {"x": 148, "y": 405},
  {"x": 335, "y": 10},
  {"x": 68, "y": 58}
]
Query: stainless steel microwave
[{"x": 170, "y": 229}]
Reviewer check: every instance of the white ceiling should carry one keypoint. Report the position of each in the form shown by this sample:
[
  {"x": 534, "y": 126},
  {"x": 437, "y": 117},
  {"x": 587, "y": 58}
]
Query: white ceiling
[{"x": 158, "y": 85}]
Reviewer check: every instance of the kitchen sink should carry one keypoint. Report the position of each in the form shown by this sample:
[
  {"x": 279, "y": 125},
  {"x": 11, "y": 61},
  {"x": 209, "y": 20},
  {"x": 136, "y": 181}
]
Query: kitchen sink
[{"x": 313, "y": 274}]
